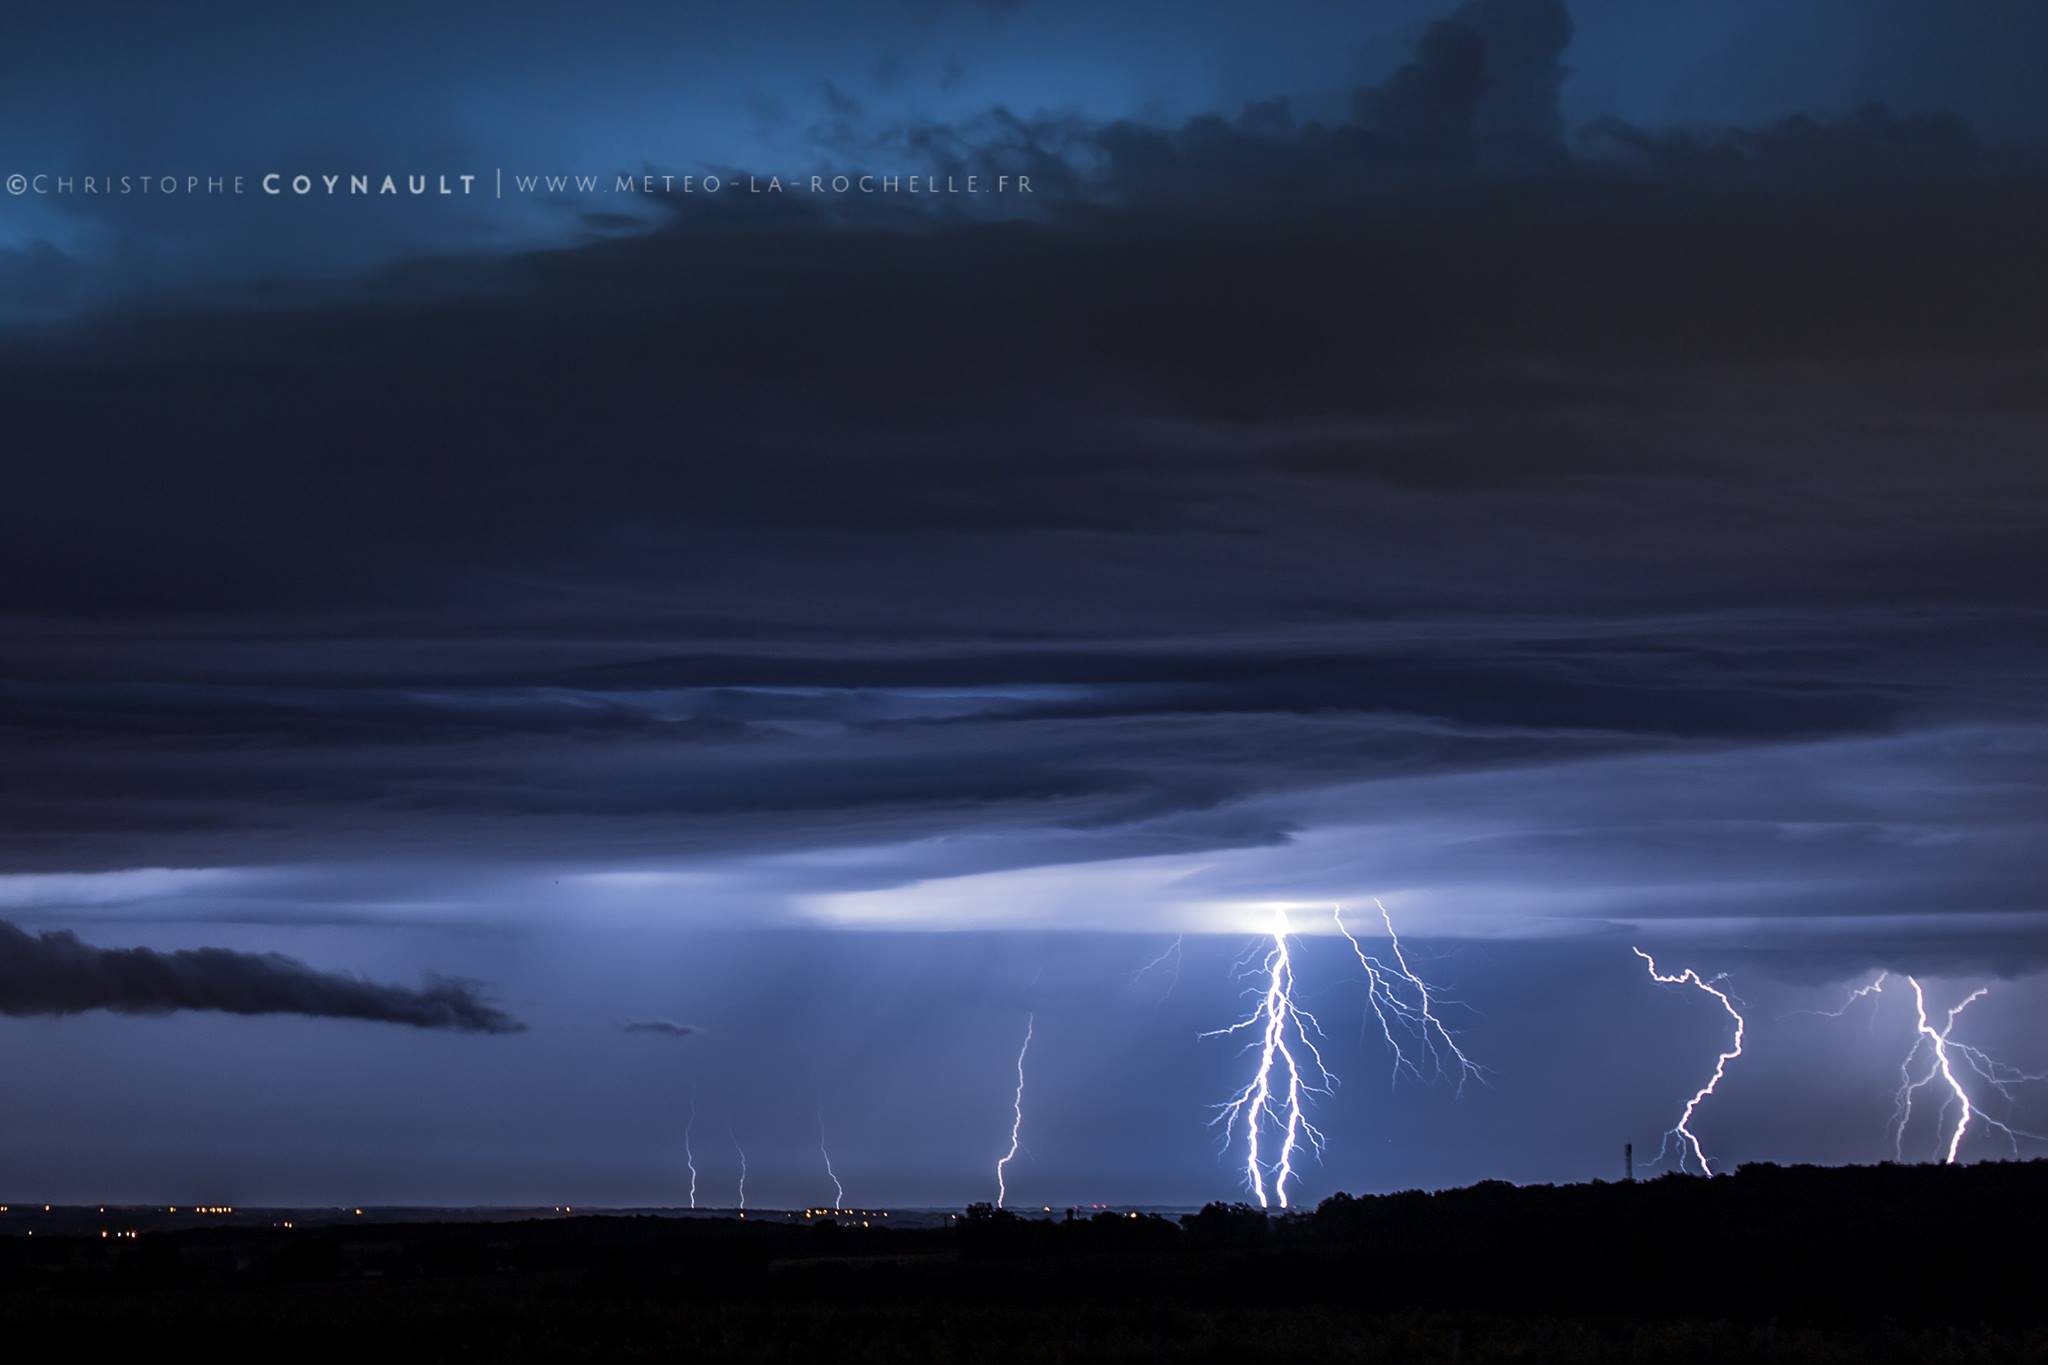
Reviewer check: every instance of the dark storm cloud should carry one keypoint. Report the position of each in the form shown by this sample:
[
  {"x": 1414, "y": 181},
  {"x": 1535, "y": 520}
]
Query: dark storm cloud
[
  {"x": 1486, "y": 78},
  {"x": 666, "y": 1027},
  {"x": 56, "y": 973},
  {"x": 1481, "y": 92},
  {"x": 1575, "y": 496},
  {"x": 1978, "y": 59}
]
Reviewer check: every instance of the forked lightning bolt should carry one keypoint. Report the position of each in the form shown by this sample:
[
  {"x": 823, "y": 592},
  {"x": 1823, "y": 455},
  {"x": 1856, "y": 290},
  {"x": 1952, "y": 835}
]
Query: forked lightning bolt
[
  {"x": 1940, "y": 1050},
  {"x": 1411, "y": 1007},
  {"x": 1016, "y": 1113},
  {"x": 1683, "y": 1131},
  {"x": 1276, "y": 1096},
  {"x": 1937, "y": 1050}
]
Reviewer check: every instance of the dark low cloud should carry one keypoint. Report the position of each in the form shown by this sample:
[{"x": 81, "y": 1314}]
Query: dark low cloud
[
  {"x": 667, "y": 1027},
  {"x": 1412, "y": 454},
  {"x": 55, "y": 972}
]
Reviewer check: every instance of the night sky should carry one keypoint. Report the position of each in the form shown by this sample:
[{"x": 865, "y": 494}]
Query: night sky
[{"x": 1576, "y": 476}]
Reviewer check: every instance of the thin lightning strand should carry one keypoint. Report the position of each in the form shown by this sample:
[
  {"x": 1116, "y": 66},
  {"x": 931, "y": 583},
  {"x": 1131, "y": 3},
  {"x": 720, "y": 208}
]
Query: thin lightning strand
[
  {"x": 1016, "y": 1113},
  {"x": 1275, "y": 1021},
  {"x": 1173, "y": 954},
  {"x": 838, "y": 1190},
  {"x": 1683, "y": 1131},
  {"x": 1876, "y": 987},
  {"x": 2002, "y": 1078},
  {"x": 1417, "y": 1017},
  {"x": 690, "y": 1157},
  {"x": 743, "y": 1167}
]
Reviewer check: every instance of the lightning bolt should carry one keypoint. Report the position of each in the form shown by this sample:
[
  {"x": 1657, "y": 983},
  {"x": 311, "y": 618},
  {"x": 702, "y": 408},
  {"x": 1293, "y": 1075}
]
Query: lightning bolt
[
  {"x": 1172, "y": 954},
  {"x": 1016, "y": 1113},
  {"x": 1938, "y": 1049},
  {"x": 1876, "y": 987},
  {"x": 1683, "y": 1131},
  {"x": 838, "y": 1190},
  {"x": 1941, "y": 1049},
  {"x": 743, "y": 1167},
  {"x": 690, "y": 1157},
  {"x": 1416, "y": 1015},
  {"x": 1927, "y": 1039},
  {"x": 1278, "y": 1025}
]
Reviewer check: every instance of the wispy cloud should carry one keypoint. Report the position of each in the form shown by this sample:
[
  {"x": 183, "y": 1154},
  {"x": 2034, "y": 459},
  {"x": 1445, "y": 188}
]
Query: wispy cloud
[{"x": 663, "y": 1026}]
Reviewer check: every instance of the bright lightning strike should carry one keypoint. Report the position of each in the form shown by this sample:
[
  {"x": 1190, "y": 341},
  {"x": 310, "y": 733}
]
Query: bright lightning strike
[
  {"x": 1683, "y": 1131},
  {"x": 1411, "y": 1007},
  {"x": 1016, "y": 1113},
  {"x": 743, "y": 1167},
  {"x": 1927, "y": 1040},
  {"x": 1278, "y": 1026},
  {"x": 1937, "y": 1049},
  {"x": 1941, "y": 1049},
  {"x": 838, "y": 1190}
]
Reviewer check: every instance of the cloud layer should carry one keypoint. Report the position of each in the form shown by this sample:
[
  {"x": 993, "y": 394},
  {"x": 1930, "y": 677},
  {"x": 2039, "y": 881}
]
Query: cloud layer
[{"x": 1620, "y": 520}]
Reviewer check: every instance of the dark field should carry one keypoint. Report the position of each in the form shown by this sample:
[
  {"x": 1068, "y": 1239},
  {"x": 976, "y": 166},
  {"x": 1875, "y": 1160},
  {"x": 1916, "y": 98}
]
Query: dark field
[{"x": 1866, "y": 1264}]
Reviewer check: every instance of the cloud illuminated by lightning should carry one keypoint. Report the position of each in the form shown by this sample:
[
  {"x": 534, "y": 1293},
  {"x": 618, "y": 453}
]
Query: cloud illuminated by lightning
[
  {"x": 1683, "y": 1131},
  {"x": 1016, "y": 1113},
  {"x": 1411, "y": 1007},
  {"x": 1278, "y": 1026}
]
